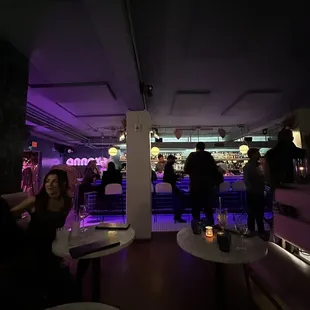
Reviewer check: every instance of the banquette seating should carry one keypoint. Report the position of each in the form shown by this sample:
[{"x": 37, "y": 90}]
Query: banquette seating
[
  {"x": 15, "y": 198},
  {"x": 283, "y": 276}
]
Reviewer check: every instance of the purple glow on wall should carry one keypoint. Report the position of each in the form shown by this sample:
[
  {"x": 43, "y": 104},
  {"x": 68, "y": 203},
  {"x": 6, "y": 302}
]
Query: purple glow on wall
[{"x": 50, "y": 162}]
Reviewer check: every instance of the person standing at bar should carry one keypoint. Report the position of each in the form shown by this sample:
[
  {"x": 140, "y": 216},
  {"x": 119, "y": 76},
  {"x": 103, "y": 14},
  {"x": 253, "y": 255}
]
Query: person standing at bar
[
  {"x": 171, "y": 177},
  {"x": 112, "y": 175},
  {"x": 255, "y": 187},
  {"x": 160, "y": 166},
  {"x": 279, "y": 167},
  {"x": 204, "y": 177}
]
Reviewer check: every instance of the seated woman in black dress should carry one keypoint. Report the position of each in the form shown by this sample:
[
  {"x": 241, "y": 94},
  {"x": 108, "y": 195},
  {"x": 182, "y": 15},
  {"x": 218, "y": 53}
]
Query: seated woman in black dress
[
  {"x": 49, "y": 210},
  {"x": 50, "y": 207},
  {"x": 112, "y": 175}
]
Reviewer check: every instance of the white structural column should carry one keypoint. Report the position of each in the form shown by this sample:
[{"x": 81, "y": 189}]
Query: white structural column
[
  {"x": 138, "y": 200},
  {"x": 303, "y": 121}
]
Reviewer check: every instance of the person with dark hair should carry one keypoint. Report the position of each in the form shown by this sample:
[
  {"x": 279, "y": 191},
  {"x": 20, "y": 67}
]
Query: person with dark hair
[
  {"x": 112, "y": 175},
  {"x": 255, "y": 188},
  {"x": 91, "y": 173},
  {"x": 171, "y": 177},
  {"x": 204, "y": 178},
  {"x": 160, "y": 166},
  {"x": 279, "y": 167},
  {"x": 52, "y": 204},
  {"x": 49, "y": 210}
]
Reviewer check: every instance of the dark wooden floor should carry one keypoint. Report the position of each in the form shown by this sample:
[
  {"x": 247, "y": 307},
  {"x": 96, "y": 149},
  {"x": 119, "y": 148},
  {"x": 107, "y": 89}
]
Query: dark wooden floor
[{"x": 157, "y": 274}]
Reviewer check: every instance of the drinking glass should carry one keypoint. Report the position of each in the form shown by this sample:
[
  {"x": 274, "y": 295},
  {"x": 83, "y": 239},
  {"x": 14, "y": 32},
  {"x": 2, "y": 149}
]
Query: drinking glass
[
  {"x": 242, "y": 228},
  {"x": 83, "y": 213},
  {"x": 221, "y": 215}
]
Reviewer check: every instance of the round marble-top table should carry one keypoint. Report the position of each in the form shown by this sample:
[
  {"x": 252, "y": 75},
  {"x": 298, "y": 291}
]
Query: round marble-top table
[
  {"x": 61, "y": 247},
  {"x": 208, "y": 249},
  {"x": 83, "y": 306},
  {"x": 204, "y": 248},
  {"x": 61, "y": 244}
]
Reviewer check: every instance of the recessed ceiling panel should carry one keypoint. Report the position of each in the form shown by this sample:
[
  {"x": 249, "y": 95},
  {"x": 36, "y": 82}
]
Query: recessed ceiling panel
[
  {"x": 214, "y": 33},
  {"x": 84, "y": 100},
  {"x": 102, "y": 123},
  {"x": 254, "y": 106},
  {"x": 192, "y": 104},
  {"x": 49, "y": 133}
]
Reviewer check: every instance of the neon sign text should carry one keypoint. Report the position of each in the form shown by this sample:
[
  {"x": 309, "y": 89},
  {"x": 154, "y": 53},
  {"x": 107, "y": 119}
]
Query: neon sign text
[{"x": 84, "y": 161}]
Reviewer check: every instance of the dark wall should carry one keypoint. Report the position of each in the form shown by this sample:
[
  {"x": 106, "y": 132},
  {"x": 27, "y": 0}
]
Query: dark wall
[
  {"x": 81, "y": 152},
  {"x": 13, "y": 99},
  {"x": 85, "y": 152}
]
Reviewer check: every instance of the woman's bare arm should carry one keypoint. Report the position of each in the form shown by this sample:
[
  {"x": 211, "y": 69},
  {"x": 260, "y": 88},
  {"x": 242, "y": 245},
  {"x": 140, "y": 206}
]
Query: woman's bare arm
[{"x": 27, "y": 204}]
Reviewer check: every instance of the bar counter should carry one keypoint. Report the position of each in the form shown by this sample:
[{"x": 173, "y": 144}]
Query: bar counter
[{"x": 230, "y": 200}]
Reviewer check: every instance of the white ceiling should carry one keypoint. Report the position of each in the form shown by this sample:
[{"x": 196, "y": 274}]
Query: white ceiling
[
  {"x": 215, "y": 65},
  {"x": 209, "y": 65},
  {"x": 80, "y": 72}
]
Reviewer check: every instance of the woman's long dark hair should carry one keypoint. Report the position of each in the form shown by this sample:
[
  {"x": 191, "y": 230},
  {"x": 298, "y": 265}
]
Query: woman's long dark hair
[
  {"x": 63, "y": 183},
  {"x": 111, "y": 167},
  {"x": 89, "y": 165}
]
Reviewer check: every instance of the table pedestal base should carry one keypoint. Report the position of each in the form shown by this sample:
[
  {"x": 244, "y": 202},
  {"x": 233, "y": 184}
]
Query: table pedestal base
[
  {"x": 221, "y": 287},
  {"x": 82, "y": 268}
]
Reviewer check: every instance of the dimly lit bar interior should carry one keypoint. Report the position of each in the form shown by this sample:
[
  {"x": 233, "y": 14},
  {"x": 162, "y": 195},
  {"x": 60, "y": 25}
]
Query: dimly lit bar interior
[{"x": 154, "y": 155}]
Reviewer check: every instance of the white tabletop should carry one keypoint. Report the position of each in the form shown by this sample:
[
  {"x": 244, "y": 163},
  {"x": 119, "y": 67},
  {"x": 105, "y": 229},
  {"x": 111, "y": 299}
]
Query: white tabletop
[
  {"x": 83, "y": 306},
  {"x": 61, "y": 247},
  {"x": 207, "y": 249}
]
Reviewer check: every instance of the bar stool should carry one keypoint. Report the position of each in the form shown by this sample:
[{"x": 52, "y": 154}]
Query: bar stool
[
  {"x": 223, "y": 190},
  {"x": 153, "y": 202},
  {"x": 224, "y": 187},
  {"x": 239, "y": 187},
  {"x": 161, "y": 189},
  {"x": 76, "y": 198},
  {"x": 116, "y": 189},
  {"x": 90, "y": 199}
]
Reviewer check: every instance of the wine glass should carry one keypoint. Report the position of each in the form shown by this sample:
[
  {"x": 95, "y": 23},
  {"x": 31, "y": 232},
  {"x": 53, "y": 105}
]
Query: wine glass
[
  {"x": 242, "y": 227},
  {"x": 83, "y": 213},
  {"x": 221, "y": 215}
]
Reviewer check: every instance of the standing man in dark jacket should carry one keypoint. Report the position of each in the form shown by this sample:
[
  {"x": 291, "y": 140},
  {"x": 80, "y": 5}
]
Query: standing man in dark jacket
[
  {"x": 279, "y": 167},
  {"x": 255, "y": 186},
  {"x": 171, "y": 177},
  {"x": 204, "y": 177}
]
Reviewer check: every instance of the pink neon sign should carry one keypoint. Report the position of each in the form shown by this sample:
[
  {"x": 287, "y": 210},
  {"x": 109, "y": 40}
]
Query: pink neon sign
[{"x": 84, "y": 161}]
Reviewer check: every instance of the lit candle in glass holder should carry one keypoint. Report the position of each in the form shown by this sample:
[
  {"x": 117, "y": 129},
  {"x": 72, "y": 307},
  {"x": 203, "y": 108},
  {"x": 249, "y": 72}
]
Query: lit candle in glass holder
[{"x": 209, "y": 231}]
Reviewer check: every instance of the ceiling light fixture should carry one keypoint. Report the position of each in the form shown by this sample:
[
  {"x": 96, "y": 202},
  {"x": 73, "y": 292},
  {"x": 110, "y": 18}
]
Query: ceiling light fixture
[
  {"x": 155, "y": 133},
  {"x": 122, "y": 136},
  {"x": 113, "y": 151},
  {"x": 155, "y": 151},
  {"x": 243, "y": 149}
]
